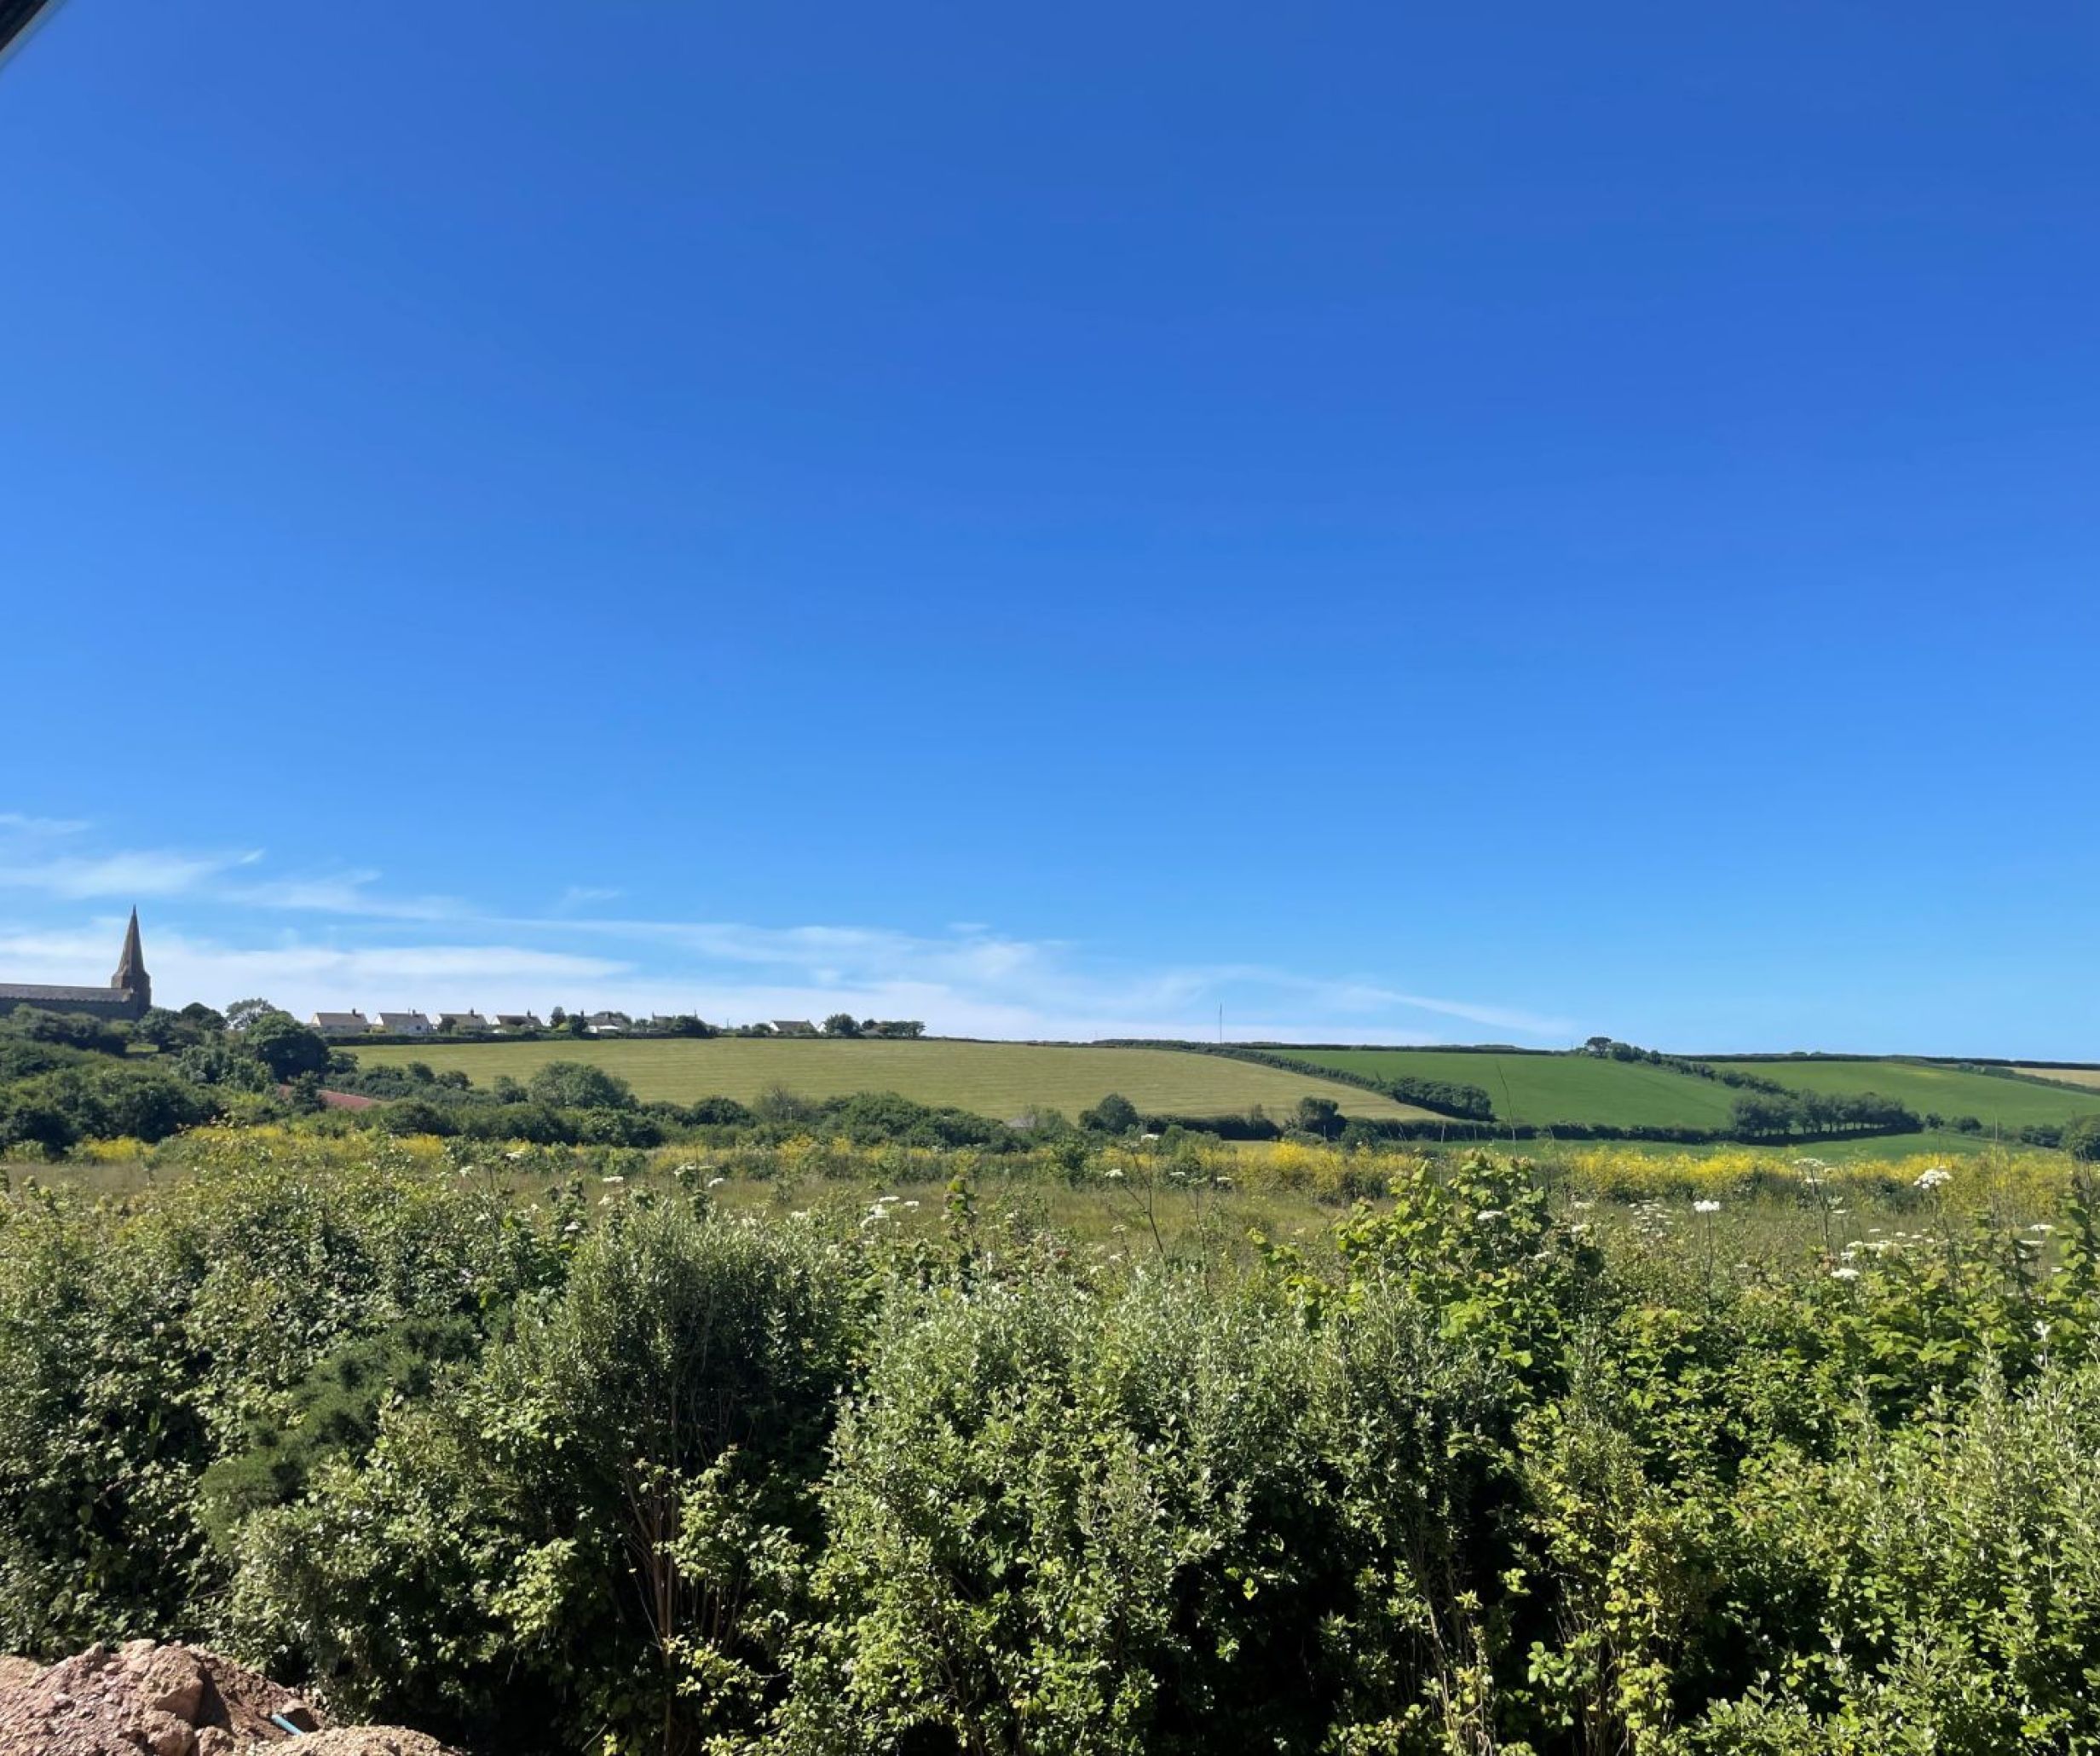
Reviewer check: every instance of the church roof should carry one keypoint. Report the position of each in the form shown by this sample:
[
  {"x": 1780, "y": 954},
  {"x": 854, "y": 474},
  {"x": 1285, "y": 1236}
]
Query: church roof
[
  {"x": 31, "y": 992},
  {"x": 131, "y": 966}
]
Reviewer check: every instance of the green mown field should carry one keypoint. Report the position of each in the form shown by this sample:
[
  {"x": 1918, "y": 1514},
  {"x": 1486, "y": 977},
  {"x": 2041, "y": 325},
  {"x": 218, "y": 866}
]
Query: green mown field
[
  {"x": 996, "y": 1079},
  {"x": 1543, "y": 1088},
  {"x": 1949, "y": 1091}
]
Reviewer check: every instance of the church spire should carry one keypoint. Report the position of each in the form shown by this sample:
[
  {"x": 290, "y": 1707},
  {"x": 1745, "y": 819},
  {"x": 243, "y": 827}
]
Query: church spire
[{"x": 131, "y": 974}]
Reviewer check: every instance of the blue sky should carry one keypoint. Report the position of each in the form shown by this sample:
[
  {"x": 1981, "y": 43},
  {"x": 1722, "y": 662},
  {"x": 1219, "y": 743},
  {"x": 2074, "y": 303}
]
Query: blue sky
[{"x": 1456, "y": 523}]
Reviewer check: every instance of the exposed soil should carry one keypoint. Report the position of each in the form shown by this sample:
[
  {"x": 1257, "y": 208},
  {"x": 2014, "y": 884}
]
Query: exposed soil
[{"x": 171, "y": 1700}]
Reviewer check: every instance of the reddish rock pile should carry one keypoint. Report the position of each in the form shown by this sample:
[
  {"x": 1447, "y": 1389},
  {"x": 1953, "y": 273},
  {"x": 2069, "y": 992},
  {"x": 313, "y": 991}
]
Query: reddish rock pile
[{"x": 170, "y": 1701}]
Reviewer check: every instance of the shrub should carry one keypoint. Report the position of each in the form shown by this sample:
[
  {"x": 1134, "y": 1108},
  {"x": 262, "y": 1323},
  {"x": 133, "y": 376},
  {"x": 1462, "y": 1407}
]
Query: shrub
[
  {"x": 578, "y": 1085},
  {"x": 89, "y": 1096},
  {"x": 66, "y": 1030},
  {"x": 593, "y": 1534},
  {"x": 1114, "y": 1114},
  {"x": 141, "y": 1349}
]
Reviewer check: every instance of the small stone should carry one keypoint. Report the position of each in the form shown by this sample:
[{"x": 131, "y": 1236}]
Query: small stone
[{"x": 166, "y": 1735}]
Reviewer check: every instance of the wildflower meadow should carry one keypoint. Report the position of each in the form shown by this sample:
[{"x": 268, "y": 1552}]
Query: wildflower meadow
[{"x": 1171, "y": 1447}]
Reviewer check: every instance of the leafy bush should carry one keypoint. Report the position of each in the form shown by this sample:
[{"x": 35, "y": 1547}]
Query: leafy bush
[
  {"x": 142, "y": 1349},
  {"x": 86, "y": 1096},
  {"x": 1114, "y": 1114},
  {"x": 1479, "y": 1468},
  {"x": 32, "y": 1024},
  {"x": 578, "y": 1085},
  {"x": 589, "y": 1530}
]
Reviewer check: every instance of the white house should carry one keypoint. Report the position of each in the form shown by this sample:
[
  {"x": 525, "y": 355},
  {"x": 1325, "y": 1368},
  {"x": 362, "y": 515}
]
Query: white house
[
  {"x": 341, "y": 1024},
  {"x": 607, "y": 1024},
  {"x": 464, "y": 1023},
  {"x": 405, "y": 1023}
]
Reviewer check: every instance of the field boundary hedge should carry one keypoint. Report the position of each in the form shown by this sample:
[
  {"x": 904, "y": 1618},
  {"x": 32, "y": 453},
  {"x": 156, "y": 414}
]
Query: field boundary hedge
[{"x": 1452, "y": 1130}]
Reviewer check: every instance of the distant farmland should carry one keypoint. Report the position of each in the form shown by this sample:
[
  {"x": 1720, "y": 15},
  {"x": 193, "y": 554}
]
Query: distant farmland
[
  {"x": 997, "y": 1079},
  {"x": 2064, "y": 1076},
  {"x": 1950, "y": 1092},
  {"x": 1541, "y": 1090}
]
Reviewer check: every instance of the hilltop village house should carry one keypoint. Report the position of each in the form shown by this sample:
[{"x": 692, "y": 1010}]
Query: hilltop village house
[
  {"x": 419, "y": 1024},
  {"x": 470, "y": 1023},
  {"x": 341, "y": 1024},
  {"x": 129, "y": 996}
]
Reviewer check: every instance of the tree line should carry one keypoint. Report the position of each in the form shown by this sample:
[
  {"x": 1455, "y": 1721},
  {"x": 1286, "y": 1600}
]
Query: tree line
[{"x": 1766, "y": 1116}]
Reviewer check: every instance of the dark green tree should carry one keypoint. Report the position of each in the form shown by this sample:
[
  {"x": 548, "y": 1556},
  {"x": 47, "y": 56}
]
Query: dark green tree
[
  {"x": 284, "y": 1046},
  {"x": 1319, "y": 1115},
  {"x": 244, "y": 1012},
  {"x": 1114, "y": 1114},
  {"x": 577, "y": 1085}
]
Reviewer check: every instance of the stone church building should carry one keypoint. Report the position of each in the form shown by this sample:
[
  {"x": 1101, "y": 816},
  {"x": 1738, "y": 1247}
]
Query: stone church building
[{"x": 129, "y": 992}]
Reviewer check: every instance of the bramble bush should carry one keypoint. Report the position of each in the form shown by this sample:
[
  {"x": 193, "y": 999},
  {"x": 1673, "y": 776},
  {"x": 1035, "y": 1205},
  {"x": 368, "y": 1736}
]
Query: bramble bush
[{"x": 1491, "y": 1466}]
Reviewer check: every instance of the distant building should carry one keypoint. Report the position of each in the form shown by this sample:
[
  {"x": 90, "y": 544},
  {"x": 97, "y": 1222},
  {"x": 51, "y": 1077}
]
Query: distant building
[
  {"x": 341, "y": 1024},
  {"x": 677, "y": 1024},
  {"x": 405, "y": 1023},
  {"x": 607, "y": 1024},
  {"x": 793, "y": 1027},
  {"x": 511, "y": 1022},
  {"x": 462, "y": 1024},
  {"x": 128, "y": 997}
]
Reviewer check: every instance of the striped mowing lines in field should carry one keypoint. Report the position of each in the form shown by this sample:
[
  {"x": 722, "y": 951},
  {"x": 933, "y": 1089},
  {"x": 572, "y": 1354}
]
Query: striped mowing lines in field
[
  {"x": 997, "y": 1079},
  {"x": 1542, "y": 1089}
]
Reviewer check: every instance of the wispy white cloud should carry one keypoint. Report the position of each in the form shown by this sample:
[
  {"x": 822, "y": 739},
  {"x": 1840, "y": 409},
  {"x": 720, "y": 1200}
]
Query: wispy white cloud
[
  {"x": 43, "y": 826},
  {"x": 39, "y": 855},
  {"x": 344, "y": 893},
  {"x": 1045, "y": 987},
  {"x": 143, "y": 873},
  {"x": 967, "y": 980},
  {"x": 42, "y": 855}
]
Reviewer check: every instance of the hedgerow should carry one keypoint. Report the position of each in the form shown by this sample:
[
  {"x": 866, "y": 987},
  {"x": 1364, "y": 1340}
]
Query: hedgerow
[{"x": 1490, "y": 1463}]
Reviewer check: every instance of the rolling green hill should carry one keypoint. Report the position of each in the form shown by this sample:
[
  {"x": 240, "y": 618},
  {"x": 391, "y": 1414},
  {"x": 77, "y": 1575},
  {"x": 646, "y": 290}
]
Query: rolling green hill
[
  {"x": 1995, "y": 1101},
  {"x": 996, "y": 1079},
  {"x": 1540, "y": 1089},
  {"x": 1005, "y": 1079}
]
